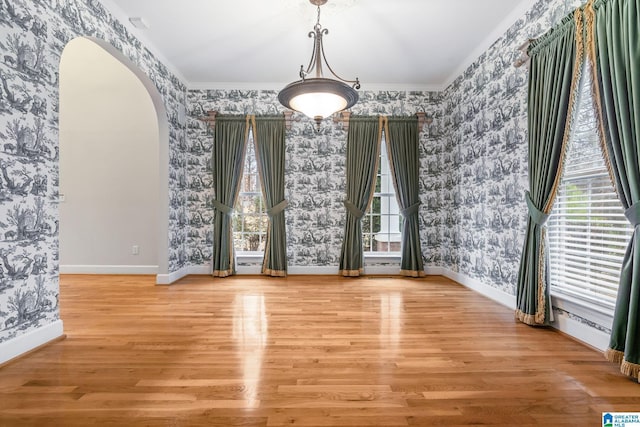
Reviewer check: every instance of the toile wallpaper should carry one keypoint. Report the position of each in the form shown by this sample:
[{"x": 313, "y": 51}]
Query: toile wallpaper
[
  {"x": 33, "y": 34},
  {"x": 486, "y": 156},
  {"x": 473, "y": 158},
  {"x": 315, "y": 175}
]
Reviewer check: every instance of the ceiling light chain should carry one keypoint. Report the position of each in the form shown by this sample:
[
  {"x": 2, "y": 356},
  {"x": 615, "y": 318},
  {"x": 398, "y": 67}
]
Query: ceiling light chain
[{"x": 319, "y": 97}]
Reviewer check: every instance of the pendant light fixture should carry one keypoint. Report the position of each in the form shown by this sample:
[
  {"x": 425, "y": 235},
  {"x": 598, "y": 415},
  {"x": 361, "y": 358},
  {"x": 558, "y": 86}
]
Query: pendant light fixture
[{"x": 314, "y": 95}]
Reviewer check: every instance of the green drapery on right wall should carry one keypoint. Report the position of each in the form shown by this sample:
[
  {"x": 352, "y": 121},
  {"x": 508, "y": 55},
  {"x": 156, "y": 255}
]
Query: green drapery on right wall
[
  {"x": 554, "y": 75},
  {"x": 613, "y": 38}
]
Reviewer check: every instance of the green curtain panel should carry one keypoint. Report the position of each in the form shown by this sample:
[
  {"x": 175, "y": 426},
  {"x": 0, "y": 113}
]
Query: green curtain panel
[
  {"x": 614, "y": 47},
  {"x": 269, "y": 139},
  {"x": 402, "y": 139},
  {"x": 363, "y": 152},
  {"x": 554, "y": 75},
  {"x": 230, "y": 137}
]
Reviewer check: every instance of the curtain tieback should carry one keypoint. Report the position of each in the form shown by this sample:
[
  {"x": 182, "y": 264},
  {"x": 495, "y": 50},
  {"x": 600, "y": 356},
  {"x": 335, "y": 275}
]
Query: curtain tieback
[
  {"x": 353, "y": 210},
  {"x": 227, "y": 210},
  {"x": 411, "y": 210},
  {"x": 633, "y": 214},
  {"x": 537, "y": 216},
  {"x": 279, "y": 208}
]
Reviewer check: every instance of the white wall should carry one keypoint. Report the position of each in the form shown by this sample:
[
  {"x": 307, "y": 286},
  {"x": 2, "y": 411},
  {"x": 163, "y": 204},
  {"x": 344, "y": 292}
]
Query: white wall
[{"x": 109, "y": 154}]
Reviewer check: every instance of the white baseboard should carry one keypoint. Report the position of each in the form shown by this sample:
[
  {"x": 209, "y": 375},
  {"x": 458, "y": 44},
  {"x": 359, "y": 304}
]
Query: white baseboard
[
  {"x": 108, "y": 269},
  {"x": 585, "y": 333},
  {"x": 200, "y": 269},
  {"x": 26, "y": 342},
  {"x": 434, "y": 271},
  {"x": 490, "y": 292},
  {"x": 167, "y": 279},
  {"x": 313, "y": 270}
]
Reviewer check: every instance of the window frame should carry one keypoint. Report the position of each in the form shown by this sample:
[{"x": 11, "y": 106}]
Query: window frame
[
  {"x": 390, "y": 194},
  {"x": 239, "y": 216},
  {"x": 589, "y": 180}
]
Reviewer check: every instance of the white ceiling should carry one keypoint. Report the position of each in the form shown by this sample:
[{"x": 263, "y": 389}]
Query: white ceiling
[{"x": 404, "y": 44}]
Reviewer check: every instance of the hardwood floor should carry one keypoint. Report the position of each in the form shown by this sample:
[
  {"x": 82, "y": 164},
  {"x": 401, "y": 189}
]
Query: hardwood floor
[{"x": 304, "y": 351}]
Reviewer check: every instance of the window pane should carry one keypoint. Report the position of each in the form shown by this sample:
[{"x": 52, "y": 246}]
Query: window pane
[
  {"x": 366, "y": 224},
  {"x": 375, "y": 224},
  {"x": 381, "y": 223},
  {"x": 249, "y": 219},
  {"x": 587, "y": 230},
  {"x": 375, "y": 205},
  {"x": 366, "y": 242}
]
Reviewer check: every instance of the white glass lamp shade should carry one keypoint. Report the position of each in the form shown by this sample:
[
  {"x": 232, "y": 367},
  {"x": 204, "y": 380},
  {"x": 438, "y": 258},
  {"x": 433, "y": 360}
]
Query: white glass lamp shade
[
  {"x": 318, "y": 104},
  {"x": 318, "y": 98}
]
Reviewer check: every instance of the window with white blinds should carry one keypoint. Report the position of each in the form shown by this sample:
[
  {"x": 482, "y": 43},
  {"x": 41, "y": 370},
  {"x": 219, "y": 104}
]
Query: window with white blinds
[{"x": 587, "y": 230}]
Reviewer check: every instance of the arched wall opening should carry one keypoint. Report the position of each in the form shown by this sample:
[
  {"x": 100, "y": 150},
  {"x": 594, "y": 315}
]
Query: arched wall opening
[{"x": 113, "y": 164}]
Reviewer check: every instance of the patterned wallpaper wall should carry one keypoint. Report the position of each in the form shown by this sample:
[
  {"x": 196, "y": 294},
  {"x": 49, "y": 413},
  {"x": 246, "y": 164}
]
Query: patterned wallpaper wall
[
  {"x": 486, "y": 156},
  {"x": 473, "y": 164},
  {"x": 33, "y": 34},
  {"x": 315, "y": 170}
]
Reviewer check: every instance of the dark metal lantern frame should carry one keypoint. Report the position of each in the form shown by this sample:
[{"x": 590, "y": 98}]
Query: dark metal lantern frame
[{"x": 346, "y": 89}]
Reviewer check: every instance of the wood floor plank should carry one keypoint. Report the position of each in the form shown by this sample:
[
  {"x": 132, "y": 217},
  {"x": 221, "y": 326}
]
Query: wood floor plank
[{"x": 303, "y": 350}]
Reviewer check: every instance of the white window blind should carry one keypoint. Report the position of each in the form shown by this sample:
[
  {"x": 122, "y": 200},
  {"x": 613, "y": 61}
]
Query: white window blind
[{"x": 587, "y": 230}]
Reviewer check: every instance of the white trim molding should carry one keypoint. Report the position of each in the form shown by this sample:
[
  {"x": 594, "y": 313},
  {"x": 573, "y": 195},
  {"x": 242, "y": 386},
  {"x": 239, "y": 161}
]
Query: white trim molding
[
  {"x": 201, "y": 269},
  {"x": 490, "y": 292},
  {"x": 167, "y": 279},
  {"x": 24, "y": 343},
  {"x": 434, "y": 271},
  {"x": 582, "y": 332},
  {"x": 579, "y": 330},
  {"x": 108, "y": 269},
  {"x": 313, "y": 270}
]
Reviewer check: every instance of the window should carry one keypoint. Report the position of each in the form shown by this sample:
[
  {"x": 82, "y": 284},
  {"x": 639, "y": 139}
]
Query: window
[
  {"x": 381, "y": 224},
  {"x": 587, "y": 230},
  {"x": 249, "y": 217}
]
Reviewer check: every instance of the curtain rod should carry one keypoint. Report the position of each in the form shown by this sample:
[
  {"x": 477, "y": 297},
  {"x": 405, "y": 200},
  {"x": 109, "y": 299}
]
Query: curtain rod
[
  {"x": 343, "y": 119},
  {"x": 210, "y": 119}
]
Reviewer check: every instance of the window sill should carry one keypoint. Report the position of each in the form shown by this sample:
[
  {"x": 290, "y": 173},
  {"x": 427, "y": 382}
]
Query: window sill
[
  {"x": 591, "y": 312},
  {"x": 381, "y": 258},
  {"x": 250, "y": 257}
]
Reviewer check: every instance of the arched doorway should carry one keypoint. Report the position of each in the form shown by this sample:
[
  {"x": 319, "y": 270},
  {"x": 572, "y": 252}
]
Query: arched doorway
[{"x": 113, "y": 164}]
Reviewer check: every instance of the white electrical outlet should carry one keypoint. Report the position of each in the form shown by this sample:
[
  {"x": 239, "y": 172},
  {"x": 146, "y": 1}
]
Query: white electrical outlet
[{"x": 135, "y": 250}]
